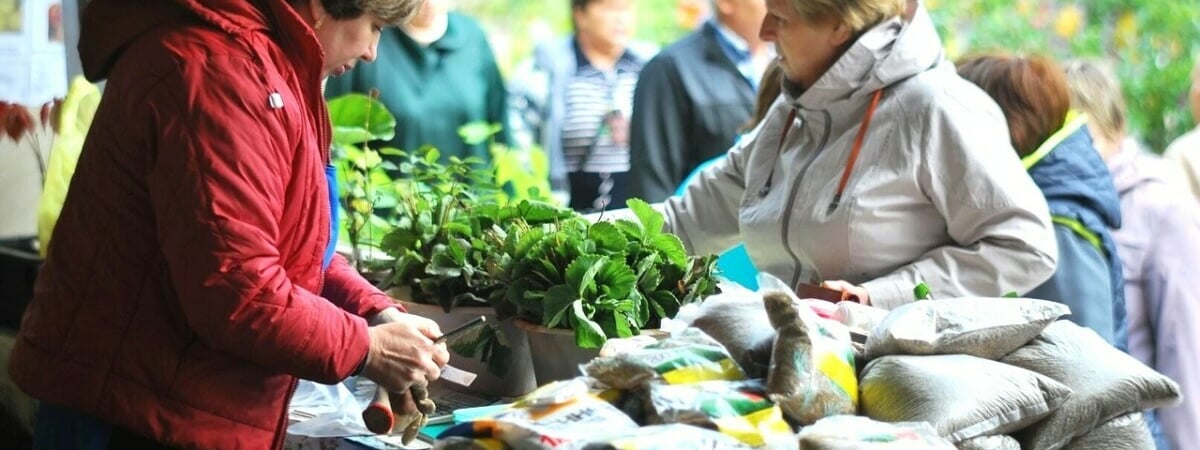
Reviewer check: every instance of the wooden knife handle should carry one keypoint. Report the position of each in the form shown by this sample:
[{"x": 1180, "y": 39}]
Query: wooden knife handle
[{"x": 378, "y": 416}]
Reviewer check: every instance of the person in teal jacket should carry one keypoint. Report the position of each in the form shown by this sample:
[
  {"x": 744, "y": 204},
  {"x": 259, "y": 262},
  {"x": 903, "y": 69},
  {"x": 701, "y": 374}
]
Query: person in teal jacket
[
  {"x": 435, "y": 75},
  {"x": 1057, "y": 150}
]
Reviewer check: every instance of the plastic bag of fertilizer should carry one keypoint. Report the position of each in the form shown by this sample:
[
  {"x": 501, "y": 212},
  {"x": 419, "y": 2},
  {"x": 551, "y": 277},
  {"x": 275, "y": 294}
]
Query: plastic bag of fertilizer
[
  {"x": 555, "y": 416},
  {"x": 738, "y": 409},
  {"x": 688, "y": 358},
  {"x": 667, "y": 437},
  {"x": 985, "y": 327},
  {"x": 857, "y": 432}
]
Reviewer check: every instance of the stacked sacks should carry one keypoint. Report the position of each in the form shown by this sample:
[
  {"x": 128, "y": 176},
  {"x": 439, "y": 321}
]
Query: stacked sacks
[
  {"x": 861, "y": 433},
  {"x": 691, "y": 379},
  {"x": 1108, "y": 384},
  {"x": 978, "y": 368}
]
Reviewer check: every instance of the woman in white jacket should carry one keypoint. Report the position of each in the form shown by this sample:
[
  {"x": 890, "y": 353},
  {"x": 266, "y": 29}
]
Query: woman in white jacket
[{"x": 877, "y": 169}]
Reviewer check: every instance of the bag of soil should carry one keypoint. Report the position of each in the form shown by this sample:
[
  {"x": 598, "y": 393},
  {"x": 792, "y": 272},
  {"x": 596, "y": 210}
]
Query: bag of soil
[
  {"x": 857, "y": 432},
  {"x": 738, "y": 409},
  {"x": 985, "y": 327},
  {"x": 1128, "y": 432},
  {"x": 960, "y": 395},
  {"x": 738, "y": 322},
  {"x": 1106, "y": 382},
  {"x": 812, "y": 374},
  {"x": 668, "y": 437},
  {"x": 690, "y": 357},
  {"x": 1001, "y": 442}
]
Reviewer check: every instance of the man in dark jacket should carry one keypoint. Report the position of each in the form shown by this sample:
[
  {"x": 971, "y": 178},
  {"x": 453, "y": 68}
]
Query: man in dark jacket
[{"x": 693, "y": 98}]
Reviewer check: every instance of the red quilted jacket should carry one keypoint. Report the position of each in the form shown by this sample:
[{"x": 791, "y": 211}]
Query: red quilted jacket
[{"x": 183, "y": 293}]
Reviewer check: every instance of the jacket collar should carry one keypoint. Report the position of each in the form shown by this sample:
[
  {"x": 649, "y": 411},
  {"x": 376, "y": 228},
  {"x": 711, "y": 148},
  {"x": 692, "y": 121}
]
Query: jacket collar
[
  {"x": 1073, "y": 178},
  {"x": 890, "y": 52}
]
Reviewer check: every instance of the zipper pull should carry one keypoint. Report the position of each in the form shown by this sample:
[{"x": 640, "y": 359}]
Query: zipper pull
[{"x": 833, "y": 205}]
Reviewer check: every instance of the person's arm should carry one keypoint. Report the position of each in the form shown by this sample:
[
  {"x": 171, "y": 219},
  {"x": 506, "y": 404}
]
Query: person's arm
[
  {"x": 705, "y": 217},
  {"x": 996, "y": 217},
  {"x": 1172, "y": 293},
  {"x": 217, "y": 186},
  {"x": 347, "y": 289},
  {"x": 658, "y": 131}
]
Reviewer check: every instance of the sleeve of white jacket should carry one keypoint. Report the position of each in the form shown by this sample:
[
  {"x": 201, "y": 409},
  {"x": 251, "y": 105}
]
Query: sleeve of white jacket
[
  {"x": 705, "y": 217},
  {"x": 997, "y": 218}
]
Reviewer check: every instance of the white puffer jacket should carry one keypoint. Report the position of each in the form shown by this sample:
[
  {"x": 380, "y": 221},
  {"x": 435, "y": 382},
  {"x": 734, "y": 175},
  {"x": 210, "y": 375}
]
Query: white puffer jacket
[{"x": 938, "y": 195}]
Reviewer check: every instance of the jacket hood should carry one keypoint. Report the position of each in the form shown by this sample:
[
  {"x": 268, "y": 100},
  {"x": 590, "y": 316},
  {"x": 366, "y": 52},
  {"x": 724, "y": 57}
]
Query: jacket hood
[
  {"x": 1132, "y": 167},
  {"x": 1074, "y": 178},
  {"x": 888, "y": 53},
  {"x": 109, "y": 27}
]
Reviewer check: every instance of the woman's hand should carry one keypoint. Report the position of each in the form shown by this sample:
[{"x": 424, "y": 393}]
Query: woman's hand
[
  {"x": 402, "y": 351},
  {"x": 856, "y": 292}
]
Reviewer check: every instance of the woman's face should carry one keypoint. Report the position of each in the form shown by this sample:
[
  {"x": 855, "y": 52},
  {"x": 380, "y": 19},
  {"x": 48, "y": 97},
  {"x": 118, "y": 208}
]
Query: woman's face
[
  {"x": 806, "y": 48},
  {"x": 609, "y": 22},
  {"x": 345, "y": 41}
]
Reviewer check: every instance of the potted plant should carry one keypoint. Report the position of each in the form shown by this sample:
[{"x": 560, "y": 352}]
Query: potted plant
[
  {"x": 577, "y": 284},
  {"x": 364, "y": 186},
  {"x": 421, "y": 235}
]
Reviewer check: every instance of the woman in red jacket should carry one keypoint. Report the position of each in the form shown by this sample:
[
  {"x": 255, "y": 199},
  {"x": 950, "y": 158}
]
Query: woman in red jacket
[{"x": 191, "y": 279}]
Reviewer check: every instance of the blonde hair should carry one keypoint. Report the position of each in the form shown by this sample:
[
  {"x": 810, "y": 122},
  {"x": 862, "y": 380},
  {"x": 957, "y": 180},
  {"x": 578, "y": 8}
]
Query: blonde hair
[
  {"x": 1095, "y": 91},
  {"x": 858, "y": 15}
]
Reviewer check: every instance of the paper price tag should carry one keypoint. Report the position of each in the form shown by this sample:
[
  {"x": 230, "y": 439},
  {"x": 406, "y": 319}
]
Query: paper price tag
[{"x": 458, "y": 376}]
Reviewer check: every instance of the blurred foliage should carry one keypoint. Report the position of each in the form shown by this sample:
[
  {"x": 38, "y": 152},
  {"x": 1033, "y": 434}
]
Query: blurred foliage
[{"x": 1150, "y": 42}]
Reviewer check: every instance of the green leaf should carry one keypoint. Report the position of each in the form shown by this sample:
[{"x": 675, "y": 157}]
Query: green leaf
[
  {"x": 607, "y": 237},
  {"x": 357, "y": 119},
  {"x": 588, "y": 334},
  {"x": 671, "y": 247},
  {"x": 581, "y": 274},
  {"x": 652, "y": 221},
  {"x": 399, "y": 240},
  {"x": 558, "y": 300},
  {"x": 632, "y": 230},
  {"x": 393, "y": 151},
  {"x": 432, "y": 155},
  {"x": 475, "y": 133},
  {"x": 616, "y": 279}
]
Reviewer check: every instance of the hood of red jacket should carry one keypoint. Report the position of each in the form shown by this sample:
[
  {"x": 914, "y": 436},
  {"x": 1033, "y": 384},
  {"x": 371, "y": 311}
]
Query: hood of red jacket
[{"x": 108, "y": 27}]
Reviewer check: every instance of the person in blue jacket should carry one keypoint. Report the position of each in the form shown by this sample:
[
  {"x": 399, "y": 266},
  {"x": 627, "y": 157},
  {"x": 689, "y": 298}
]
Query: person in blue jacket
[{"x": 1057, "y": 149}]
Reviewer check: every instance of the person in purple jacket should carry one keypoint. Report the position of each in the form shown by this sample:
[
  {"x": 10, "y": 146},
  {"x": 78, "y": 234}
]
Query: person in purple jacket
[{"x": 1159, "y": 245}]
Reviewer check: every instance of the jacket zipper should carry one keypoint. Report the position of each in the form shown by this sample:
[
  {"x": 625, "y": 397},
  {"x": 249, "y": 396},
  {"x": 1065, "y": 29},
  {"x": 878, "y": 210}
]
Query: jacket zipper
[
  {"x": 787, "y": 217},
  {"x": 324, "y": 141},
  {"x": 281, "y": 430}
]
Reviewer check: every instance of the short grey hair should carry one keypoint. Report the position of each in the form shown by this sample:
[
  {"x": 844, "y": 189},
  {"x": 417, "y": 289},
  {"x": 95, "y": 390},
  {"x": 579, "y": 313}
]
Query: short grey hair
[{"x": 1095, "y": 91}]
